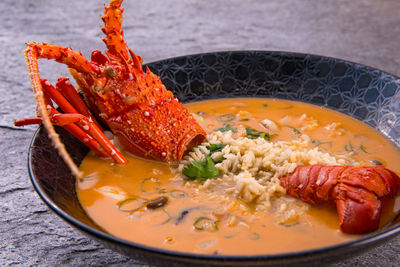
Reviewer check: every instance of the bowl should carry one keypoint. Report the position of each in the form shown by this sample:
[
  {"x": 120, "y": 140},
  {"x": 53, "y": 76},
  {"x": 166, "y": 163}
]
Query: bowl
[{"x": 367, "y": 94}]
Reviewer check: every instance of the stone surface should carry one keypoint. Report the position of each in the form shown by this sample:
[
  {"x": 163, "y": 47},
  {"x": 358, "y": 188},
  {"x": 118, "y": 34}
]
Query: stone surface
[{"x": 364, "y": 31}]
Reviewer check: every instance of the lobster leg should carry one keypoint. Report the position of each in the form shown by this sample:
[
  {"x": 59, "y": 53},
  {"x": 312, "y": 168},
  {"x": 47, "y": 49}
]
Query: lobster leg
[
  {"x": 82, "y": 121},
  {"x": 91, "y": 128},
  {"x": 65, "y": 87},
  {"x": 72, "y": 128}
]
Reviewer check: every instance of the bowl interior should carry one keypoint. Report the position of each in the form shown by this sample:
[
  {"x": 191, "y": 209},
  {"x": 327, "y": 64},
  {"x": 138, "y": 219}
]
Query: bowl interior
[{"x": 367, "y": 94}]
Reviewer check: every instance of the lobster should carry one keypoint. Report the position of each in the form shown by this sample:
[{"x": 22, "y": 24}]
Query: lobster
[
  {"x": 147, "y": 119},
  {"x": 359, "y": 192}
]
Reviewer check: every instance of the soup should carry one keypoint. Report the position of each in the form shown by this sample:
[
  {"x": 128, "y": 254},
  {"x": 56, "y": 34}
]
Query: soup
[{"x": 241, "y": 211}]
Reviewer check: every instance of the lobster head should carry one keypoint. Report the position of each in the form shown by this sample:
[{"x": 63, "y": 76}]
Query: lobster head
[{"x": 148, "y": 120}]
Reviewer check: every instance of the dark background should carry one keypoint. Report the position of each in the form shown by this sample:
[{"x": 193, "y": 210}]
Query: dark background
[{"x": 363, "y": 31}]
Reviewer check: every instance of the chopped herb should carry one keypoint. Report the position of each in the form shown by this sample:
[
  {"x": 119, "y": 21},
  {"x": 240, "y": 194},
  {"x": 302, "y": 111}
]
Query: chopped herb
[
  {"x": 349, "y": 148},
  {"x": 244, "y": 119},
  {"x": 290, "y": 224},
  {"x": 288, "y": 107},
  {"x": 227, "y": 127},
  {"x": 150, "y": 185},
  {"x": 253, "y": 133},
  {"x": 215, "y": 148},
  {"x": 219, "y": 160},
  {"x": 362, "y": 148},
  {"x": 346, "y": 148},
  {"x": 198, "y": 169},
  {"x": 178, "y": 194},
  {"x": 265, "y": 105},
  {"x": 226, "y": 117},
  {"x": 162, "y": 191},
  {"x": 294, "y": 129},
  {"x": 318, "y": 143},
  {"x": 205, "y": 223}
]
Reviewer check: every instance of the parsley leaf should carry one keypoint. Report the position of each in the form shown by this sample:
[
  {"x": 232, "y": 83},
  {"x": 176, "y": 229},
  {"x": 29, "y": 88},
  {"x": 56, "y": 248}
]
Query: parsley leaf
[
  {"x": 215, "y": 148},
  {"x": 198, "y": 169},
  {"x": 253, "y": 134},
  {"x": 226, "y": 128}
]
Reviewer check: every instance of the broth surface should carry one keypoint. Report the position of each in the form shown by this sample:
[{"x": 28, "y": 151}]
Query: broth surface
[{"x": 114, "y": 196}]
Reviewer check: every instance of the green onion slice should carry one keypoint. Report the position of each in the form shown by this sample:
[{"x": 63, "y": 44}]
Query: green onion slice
[
  {"x": 254, "y": 236},
  {"x": 205, "y": 223},
  {"x": 130, "y": 204},
  {"x": 169, "y": 217},
  {"x": 178, "y": 194},
  {"x": 226, "y": 117},
  {"x": 150, "y": 185}
]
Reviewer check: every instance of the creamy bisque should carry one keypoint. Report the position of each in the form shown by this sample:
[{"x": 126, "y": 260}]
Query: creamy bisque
[{"x": 115, "y": 197}]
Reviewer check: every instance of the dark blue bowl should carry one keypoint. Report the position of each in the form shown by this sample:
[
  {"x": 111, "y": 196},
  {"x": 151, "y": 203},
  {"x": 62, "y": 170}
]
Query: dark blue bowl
[{"x": 364, "y": 93}]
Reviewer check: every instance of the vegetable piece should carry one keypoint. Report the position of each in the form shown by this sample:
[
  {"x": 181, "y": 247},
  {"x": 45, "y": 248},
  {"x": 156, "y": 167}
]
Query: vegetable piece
[
  {"x": 265, "y": 105},
  {"x": 227, "y": 127},
  {"x": 253, "y": 134},
  {"x": 201, "y": 113},
  {"x": 182, "y": 216},
  {"x": 205, "y": 223},
  {"x": 290, "y": 224},
  {"x": 377, "y": 162},
  {"x": 362, "y": 148},
  {"x": 178, "y": 194},
  {"x": 157, "y": 203},
  {"x": 294, "y": 129},
  {"x": 166, "y": 220},
  {"x": 245, "y": 119},
  {"x": 288, "y": 107},
  {"x": 226, "y": 117},
  {"x": 318, "y": 143},
  {"x": 131, "y": 204},
  {"x": 198, "y": 169},
  {"x": 221, "y": 159},
  {"x": 150, "y": 185},
  {"x": 254, "y": 236},
  {"x": 215, "y": 148}
]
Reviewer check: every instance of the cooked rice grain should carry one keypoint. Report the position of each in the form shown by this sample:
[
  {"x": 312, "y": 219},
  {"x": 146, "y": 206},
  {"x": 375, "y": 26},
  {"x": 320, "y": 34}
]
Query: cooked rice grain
[{"x": 252, "y": 167}]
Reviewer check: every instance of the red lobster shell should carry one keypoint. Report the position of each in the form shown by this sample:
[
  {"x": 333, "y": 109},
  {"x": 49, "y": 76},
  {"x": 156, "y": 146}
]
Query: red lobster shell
[
  {"x": 149, "y": 121},
  {"x": 358, "y": 192}
]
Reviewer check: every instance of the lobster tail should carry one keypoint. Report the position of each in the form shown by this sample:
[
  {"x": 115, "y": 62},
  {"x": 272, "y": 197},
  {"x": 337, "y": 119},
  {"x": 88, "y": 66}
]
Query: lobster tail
[
  {"x": 358, "y": 192},
  {"x": 359, "y": 210}
]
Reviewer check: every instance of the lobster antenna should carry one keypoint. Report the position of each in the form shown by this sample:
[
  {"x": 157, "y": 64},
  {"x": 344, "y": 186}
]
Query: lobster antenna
[{"x": 33, "y": 70}]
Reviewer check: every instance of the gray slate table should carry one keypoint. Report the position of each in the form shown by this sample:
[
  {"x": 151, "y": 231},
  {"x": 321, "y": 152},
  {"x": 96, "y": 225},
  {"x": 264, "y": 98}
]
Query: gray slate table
[{"x": 364, "y": 31}]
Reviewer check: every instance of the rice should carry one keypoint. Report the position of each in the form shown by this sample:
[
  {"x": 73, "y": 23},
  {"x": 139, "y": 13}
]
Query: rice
[{"x": 252, "y": 167}]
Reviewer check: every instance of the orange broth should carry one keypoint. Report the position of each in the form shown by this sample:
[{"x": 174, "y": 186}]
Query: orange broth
[{"x": 173, "y": 226}]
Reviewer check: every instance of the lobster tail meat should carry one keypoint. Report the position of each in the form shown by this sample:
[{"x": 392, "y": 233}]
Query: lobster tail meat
[{"x": 358, "y": 192}]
